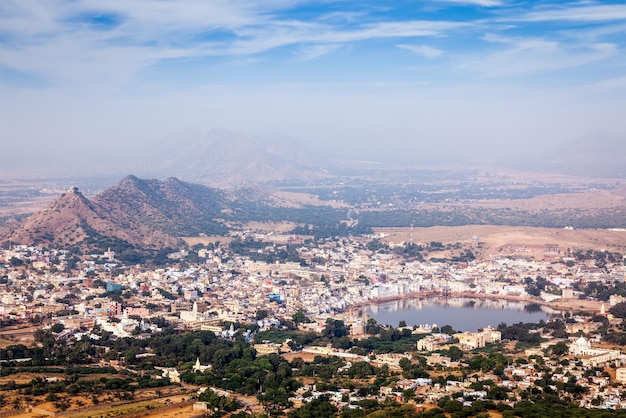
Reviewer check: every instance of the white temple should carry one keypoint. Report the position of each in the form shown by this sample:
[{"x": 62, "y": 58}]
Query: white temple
[
  {"x": 594, "y": 356},
  {"x": 200, "y": 368}
]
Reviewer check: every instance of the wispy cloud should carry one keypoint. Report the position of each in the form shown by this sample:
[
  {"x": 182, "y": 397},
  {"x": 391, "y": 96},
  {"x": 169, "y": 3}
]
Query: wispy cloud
[
  {"x": 611, "y": 83},
  {"x": 534, "y": 55},
  {"x": 595, "y": 13},
  {"x": 311, "y": 52},
  {"x": 423, "y": 50},
  {"x": 95, "y": 43},
  {"x": 486, "y": 66},
  {"x": 483, "y": 3},
  {"x": 106, "y": 43}
]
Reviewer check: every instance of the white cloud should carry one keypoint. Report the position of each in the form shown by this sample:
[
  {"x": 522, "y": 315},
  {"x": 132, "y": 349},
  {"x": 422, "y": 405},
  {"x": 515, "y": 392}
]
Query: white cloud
[
  {"x": 533, "y": 55},
  {"x": 536, "y": 44},
  {"x": 311, "y": 52},
  {"x": 45, "y": 41},
  {"x": 423, "y": 50},
  {"x": 483, "y": 3},
  {"x": 255, "y": 40},
  {"x": 596, "y": 13},
  {"x": 611, "y": 83},
  {"x": 349, "y": 17},
  {"x": 48, "y": 43}
]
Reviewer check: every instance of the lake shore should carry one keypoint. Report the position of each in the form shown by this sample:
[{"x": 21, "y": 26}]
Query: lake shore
[{"x": 568, "y": 305}]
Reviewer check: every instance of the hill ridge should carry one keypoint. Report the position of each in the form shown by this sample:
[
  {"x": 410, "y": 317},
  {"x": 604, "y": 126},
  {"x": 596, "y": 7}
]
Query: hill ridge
[{"x": 145, "y": 213}]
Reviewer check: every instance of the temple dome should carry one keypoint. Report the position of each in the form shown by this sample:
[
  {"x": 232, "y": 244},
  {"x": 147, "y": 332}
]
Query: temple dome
[{"x": 582, "y": 343}]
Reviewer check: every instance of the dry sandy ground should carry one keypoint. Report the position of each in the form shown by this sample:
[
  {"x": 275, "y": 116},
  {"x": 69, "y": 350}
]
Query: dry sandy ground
[
  {"x": 174, "y": 407},
  {"x": 596, "y": 199},
  {"x": 496, "y": 237},
  {"x": 12, "y": 336},
  {"x": 293, "y": 199},
  {"x": 180, "y": 412}
]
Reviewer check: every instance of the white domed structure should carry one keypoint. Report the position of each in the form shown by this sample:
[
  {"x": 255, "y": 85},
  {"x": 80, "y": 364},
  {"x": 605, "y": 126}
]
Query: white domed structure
[{"x": 581, "y": 346}]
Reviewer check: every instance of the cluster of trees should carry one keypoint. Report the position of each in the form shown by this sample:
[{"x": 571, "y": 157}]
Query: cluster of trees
[
  {"x": 535, "y": 287},
  {"x": 603, "y": 291},
  {"x": 258, "y": 250},
  {"x": 236, "y": 366},
  {"x": 219, "y": 403},
  {"x": 520, "y": 332},
  {"x": 330, "y": 230},
  {"x": 600, "y": 257},
  {"x": 427, "y": 189},
  {"x": 383, "y": 339},
  {"x": 485, "y": 216},
  {"x": 618, "y": 310}
]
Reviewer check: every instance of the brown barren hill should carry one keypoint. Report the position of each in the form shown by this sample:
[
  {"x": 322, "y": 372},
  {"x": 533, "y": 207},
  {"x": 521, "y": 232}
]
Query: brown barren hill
[
  {"x": 71, "y": 219},
  {"x": 68, "y": 220}
]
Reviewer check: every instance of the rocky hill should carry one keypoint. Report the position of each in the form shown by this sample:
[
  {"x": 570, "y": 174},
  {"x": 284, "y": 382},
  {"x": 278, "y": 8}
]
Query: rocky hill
[
  {"x": 149, "y": 214},
  {"x": 172, "y": 206},
  {"x": 68, "y": 220}
]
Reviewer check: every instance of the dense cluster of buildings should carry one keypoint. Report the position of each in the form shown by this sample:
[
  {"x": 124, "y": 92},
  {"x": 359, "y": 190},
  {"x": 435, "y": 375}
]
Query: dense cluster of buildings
[
  {"x": 227, "y": 287},
  {"x": 222, "y": 287}
]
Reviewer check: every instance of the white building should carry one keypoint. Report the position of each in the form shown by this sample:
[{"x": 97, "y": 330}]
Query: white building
[
  {"x": 199, "y": 367},
  {"x": 594, "y": 356}
]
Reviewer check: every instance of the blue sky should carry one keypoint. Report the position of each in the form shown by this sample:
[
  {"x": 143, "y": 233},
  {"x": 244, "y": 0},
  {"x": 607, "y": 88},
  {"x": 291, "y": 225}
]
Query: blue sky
[{"x": 359, "y": 77}]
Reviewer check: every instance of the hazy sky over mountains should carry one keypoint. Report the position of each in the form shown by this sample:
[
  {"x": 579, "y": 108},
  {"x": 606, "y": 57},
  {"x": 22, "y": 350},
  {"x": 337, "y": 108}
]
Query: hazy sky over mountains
[{"x": 476, "y": 78}]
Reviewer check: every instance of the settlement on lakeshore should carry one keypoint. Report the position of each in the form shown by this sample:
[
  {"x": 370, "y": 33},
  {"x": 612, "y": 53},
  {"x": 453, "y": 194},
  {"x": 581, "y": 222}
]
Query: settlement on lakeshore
[
  {"x": 334, "y": 278},
  {"x": 212, "y": 288}
]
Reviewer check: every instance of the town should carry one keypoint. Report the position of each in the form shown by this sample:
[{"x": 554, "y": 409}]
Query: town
[{"x": 300, "y": 298}]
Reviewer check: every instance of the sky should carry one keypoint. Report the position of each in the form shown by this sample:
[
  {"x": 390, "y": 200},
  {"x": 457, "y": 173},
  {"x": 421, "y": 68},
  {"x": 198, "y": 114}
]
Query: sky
[{"x": 95, "y": 81}]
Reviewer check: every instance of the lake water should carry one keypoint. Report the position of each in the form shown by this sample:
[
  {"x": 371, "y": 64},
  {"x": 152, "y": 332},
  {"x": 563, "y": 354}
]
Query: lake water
[{"x": 463, "y": 314}]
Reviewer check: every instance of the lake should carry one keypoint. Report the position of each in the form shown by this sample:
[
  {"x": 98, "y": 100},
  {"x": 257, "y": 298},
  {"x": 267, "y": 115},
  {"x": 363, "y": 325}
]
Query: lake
[{"x": 463, "y": 314}]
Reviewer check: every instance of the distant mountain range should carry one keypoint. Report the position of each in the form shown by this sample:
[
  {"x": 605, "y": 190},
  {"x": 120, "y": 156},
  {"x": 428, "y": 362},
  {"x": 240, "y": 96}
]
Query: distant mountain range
[
  {"x": 225, "y": 158},
  {"x": 596, "y": 154},
  {"x": 228, "y": 157}
]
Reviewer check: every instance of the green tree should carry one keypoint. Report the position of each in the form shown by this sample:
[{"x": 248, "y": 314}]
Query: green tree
[
  {"x": 405, "y": 364},
  {"x": 16, "y": 262},
  {"x": 58, "y": 327},
  {"x": 559, "y": 348},
  {"x": 447, "y": 329},
  {"x": 619, "y": 310},
  {"x": 300, "y": 317},
  {"x": 372, "y": 327},
  {"x": 455, "y": 353},
  {"x": 335, "y": 328},
  {"x": 360, "y": 370},
  {"x": 317, "y": 408},
  {"x": 408, "y": 394}
]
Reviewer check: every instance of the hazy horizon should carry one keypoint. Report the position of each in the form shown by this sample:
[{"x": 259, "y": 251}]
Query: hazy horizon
[{"x": 91, "y": 86}]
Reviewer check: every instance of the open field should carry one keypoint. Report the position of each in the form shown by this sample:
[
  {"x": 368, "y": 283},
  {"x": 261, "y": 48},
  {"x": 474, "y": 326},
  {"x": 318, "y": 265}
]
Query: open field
[
  {"x": 596, "y": 199},
  {"x": 207, "y": 239},
  {"x": 171, "y": 406},
  {"x": 496, "y": 239},
  {"x": 11, "y": 335},
  {"x": 170, "y": 401},
  {"x": 295, "y": 199}
]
